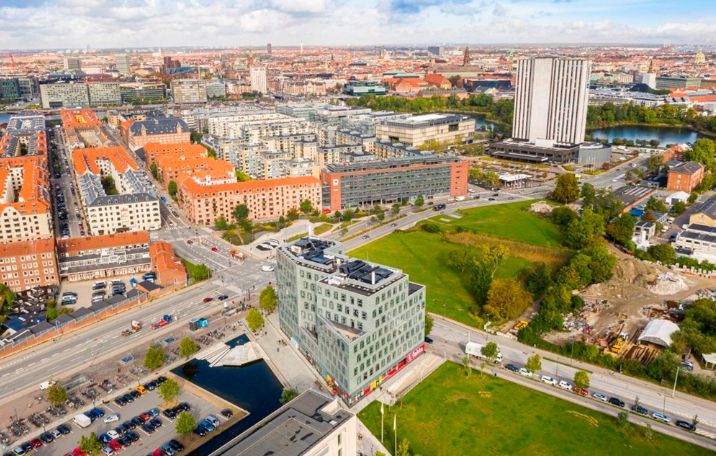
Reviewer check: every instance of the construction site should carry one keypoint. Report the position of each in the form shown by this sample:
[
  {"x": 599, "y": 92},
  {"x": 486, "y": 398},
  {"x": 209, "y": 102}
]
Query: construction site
[{"x": 616, "y": 312}]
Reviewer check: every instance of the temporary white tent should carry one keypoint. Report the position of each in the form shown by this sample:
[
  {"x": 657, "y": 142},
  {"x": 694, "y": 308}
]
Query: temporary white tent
[
  {"x": 710, "y": 360},
  {"x": 658, "y": 332}
]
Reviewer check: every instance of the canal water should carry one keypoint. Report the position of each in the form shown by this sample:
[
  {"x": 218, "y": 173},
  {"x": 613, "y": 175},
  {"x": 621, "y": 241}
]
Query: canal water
[
  {"x": 665, "y": 135},
  {"x": 4, "y": 118},
  {"x": 253, "y": 387}
]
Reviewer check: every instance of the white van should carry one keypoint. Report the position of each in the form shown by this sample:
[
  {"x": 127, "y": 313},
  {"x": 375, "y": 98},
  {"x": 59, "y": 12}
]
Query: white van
[{"x": 46, "y": 385}]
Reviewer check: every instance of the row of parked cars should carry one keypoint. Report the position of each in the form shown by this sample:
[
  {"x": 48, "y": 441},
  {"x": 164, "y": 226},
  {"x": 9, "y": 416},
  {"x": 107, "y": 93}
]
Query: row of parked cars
[
  {"x": 268, "y": 245},
  {"x": 659, "y": 416},
  {"x": 44, "y": 439},
  {"x": 133, "y": 394}
]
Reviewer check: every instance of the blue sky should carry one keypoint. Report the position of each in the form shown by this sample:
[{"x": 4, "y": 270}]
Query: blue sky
[{"x": 155, "y": 23}]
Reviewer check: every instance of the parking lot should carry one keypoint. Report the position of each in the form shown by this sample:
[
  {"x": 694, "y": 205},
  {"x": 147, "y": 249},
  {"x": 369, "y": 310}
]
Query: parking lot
[
  {"x": 147, "y": 442},
  {"x": 85, "y": 292}
]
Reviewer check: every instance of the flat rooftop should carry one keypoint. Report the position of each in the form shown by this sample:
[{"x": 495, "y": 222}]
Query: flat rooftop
[
  {"x": 425, "y": 120},
  {"x": 291, "y": 430}
]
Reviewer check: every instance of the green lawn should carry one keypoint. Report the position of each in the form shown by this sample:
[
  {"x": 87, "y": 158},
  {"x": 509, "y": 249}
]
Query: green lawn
[
  {"x": 451, "y": 414},
  {"x": 423, "y": 256},
  {"x": 511, "y": 221}
]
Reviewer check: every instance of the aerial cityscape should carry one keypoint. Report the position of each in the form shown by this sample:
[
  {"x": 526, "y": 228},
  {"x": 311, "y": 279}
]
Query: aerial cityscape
[{"x": 341, "y": 228}]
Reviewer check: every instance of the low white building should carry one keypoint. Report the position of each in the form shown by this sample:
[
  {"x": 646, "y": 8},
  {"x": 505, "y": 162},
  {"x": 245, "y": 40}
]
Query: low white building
[
  {"x": 677, "y": 197},
  {"x": 658, "y": 332}
]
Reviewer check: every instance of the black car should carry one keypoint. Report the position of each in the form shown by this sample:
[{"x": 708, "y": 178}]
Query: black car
[
  {"x": 156, "y": 422},
  {"x": 133, "y": 436},
  {"x": 64, "y": 429},
  {"x": 46, "y": 437},
  {"x": 124, "y": 440},
  {"x": 227, "y": 413},
  {"x": 222, "y": 297},
  {"x": 137, "y": 421},
  {"x": 176, "y": 446},
  {"x": 169, "y": 413},
  {"x": 120, "y": 401},
  {"x": 428, "y": 339},
  {"x": 128, "y": 397},
  {"x": 120, "y": 430},
  {"x": 639, "y": 409},
  {"x": 184, "y": 406},
  {"x": 161, "y": 379},
  {"x": 201, "y": 431},
  {"x": 135, "y": 394},
  {"x": 616, "y": 401},
  {"x": 512, "y": 367},
  {"x": 151, "y": 385},
  {"x": 26, "y": 447},
  {"x": 128, "y": 425},
  {"x": 685, "y": 425},
  {"x": 148, "y": 428}
]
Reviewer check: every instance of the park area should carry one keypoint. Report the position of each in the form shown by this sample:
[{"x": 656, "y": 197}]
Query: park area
[
  {"x": 426, "y": 256},
  {"x": 450, "y": 413}
]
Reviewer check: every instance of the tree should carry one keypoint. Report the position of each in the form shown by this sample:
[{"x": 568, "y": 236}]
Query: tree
[
  {"x": 185, "y": 424},
  {"x": 678, "y": 208},
  {"x": 292, "y": 214},
  {"x": 220, "y": 223},
  {"x": 154, "y": 358},
  {"x": 588, "y": 194},
  {"x": 534, "y": 363},
  {"x": 466, "y": 365},
  {"x": 663, "y": 253},
  {"x": 585, "y": 230},
  {"x": 169, "y": 391},
  {"x": 287, "y": 395},
  {"x": 403, "y": 448},
  {"x": 539, "y": 277},
  {"x": 654, "y": 204},
  {"x": 254, "y": 319},
  {"x": 187, "y": 347},
  {"x": 306, "y": 206},
  {"x": 621, "y": 229},
  {"x": 581, "y": 379},
  {"x": 241, "y": 212},
  {"x": 242, "y": 176},
  {"x": 702, "y": 152},
  {"x": 89, "y": 444},
  {"x": 490, "y": 351},
  {"x": 623, "y": 418},
  {"x": 154, "y": 170},
  {"x": 428, "y": 324},
  {"x": 419, "y": 201},
  {"x": 172, "y": 188},
  {"x": 268, "y": 299},
  {"x": 395, "y": 209},
  {"x": 654, "y": 163},
  {"x": 506, "y": 299},
  {"x": 567, "y": 189},
  {"x": 56, "y": 394}
]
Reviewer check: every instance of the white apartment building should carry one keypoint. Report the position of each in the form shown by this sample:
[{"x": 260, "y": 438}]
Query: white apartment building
[
  {"x": 416, "y": 130},
  {"x": 104, "y": 93},
  {"x": 258, "y": 79},
  {"x": 551, "y": 100},
  {"x": 189, "y": 90}
]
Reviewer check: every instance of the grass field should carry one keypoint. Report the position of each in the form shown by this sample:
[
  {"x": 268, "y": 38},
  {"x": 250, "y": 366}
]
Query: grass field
[
  {"x": 511, "y": 221},
  {"x": 451, "y": 414},
  {"x": 424, "y": 256}
]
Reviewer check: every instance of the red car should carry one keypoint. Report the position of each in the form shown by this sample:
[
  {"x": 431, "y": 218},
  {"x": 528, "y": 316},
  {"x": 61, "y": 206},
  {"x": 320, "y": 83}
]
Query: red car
[
  {"x": 36, "y": 443},
  {"x": 145, "y": 416},
  {"x": 214, "y": 249},
  {"x": 580, "y": 391},
  {"x": 158, "y": 452},
  {"x": 78, "y": 452},
  {"x": 208, "y": 299},
  {"x": 115, "y": 445},
  {"x": 162, "y": 322}
]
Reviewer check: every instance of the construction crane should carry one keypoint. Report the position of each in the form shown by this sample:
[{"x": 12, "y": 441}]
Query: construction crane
[{"x": 12, "y": 61}]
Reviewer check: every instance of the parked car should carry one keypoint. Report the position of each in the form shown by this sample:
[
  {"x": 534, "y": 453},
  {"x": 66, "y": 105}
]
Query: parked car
[
  {"x": 524, "y": 372},
  {"x": 636, "y": 408},
  {"x": 661, "y": 417},
  {"x": 616, "y": 401},
  {"x": 222, "y": 297},
  {"x": 512, "y": 367},
  {"x": 111, "y": 418},
  {"x": 688, "y": 365},
  {"x": 564, "y": 385},
  {"x": 580, "y": 391},
  {"x": 208, "y": 299},
  {"x": 176, "y": 445},
  {"x": 227, "y": 413},
  {"x": 549, "y": 380}
]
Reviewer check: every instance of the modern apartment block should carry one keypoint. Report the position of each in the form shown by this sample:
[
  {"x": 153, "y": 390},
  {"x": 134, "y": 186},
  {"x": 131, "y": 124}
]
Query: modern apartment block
[
  {"x": 257, "y": 75},
  {"x": 28, "y": 264},
  {"x": 189, "y": 90},
  {"x": 551, "y": 100},
  {"x": 24, "y": 136},
  {"x": 79, "y": 94},
  {"x": 267, "y": 199},
  {"x": 144, "y": 92},
  {"x": 134, "y": 207},
  {"x": 383, "y": 182},
  {"x": 122, "y": 64},
  {"x": 416, "y": 130},
  {"x": 358, "y": 323}
]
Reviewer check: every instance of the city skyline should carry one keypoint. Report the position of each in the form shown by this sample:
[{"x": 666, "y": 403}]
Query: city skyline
[{"x": 33, "y": 24}]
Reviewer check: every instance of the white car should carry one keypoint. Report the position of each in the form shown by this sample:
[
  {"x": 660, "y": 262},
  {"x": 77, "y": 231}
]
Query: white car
[
  {"x": 524, "y": 372},
  {"x": 661, "y": 417},
  {"x": 112, "y": 433},
  {"x": 267, "y": 268},
  {"x": 549, "y": 380},
  {"x": 565, "y": 385},
  {"x": 600, "y": 397},
  {"x": 111, "y": 418}
]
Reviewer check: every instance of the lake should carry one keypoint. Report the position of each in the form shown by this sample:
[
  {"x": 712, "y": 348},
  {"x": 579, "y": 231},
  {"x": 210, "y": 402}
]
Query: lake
[
  {"x": 665, "y": 135},
  {"x": 253, "y": 387}
]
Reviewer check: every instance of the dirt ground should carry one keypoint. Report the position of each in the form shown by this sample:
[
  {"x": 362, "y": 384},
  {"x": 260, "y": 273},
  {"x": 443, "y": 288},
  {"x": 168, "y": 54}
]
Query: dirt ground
[{"x": 638, "y": 292}]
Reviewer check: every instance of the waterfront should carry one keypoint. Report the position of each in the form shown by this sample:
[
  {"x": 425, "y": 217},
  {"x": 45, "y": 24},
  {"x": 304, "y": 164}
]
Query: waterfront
[
  {"x": 665, "y": 135},
  {"x": 253, "y": 387}
]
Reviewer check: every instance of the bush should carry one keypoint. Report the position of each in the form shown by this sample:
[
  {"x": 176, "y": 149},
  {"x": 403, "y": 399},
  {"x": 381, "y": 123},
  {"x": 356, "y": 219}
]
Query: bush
[{"x": 430, "y": 227}]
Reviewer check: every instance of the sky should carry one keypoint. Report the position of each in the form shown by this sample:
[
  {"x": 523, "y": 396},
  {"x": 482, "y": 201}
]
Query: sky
[{"x": 66, "y": 24}]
